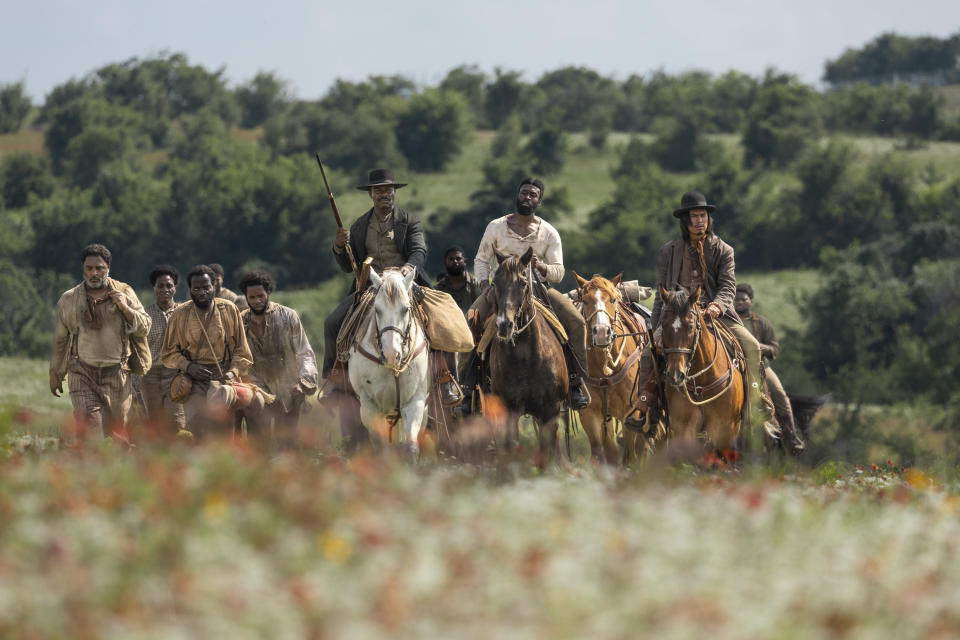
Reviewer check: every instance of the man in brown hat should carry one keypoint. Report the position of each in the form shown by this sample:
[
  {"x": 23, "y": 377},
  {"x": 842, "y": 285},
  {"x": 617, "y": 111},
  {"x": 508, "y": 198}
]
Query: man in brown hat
[
  {"x": 95, "y": 323},
  {"x": 762, "y": 329},
  {"x": 393, "y": 237},
  {"x": 699, "y": 258}
]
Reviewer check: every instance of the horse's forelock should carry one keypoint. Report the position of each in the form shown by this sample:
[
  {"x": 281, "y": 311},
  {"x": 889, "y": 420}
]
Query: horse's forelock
[
  {"x": 392, "y": 287},
  {"x": 601, "y": 283},
  {"x": 678, "y": 301}
]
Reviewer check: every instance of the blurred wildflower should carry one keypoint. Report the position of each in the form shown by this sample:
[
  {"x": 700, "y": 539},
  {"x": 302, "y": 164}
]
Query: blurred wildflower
[
  {"x": 918, "y": 479},
  {"x": 215, "y": 507},
  {"x": 334, "y": 547}
]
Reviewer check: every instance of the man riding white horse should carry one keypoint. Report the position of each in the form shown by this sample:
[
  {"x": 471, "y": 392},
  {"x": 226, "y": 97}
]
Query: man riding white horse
[{"x": 393, "y": 238}]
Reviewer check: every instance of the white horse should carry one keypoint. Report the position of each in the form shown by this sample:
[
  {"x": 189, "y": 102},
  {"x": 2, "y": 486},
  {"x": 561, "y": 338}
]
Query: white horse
[{"x": 389, "y": 363}]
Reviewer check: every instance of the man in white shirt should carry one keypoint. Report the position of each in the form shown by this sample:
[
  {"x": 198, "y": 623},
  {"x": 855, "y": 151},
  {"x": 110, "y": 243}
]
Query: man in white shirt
[{"x": 513, "y": 234}]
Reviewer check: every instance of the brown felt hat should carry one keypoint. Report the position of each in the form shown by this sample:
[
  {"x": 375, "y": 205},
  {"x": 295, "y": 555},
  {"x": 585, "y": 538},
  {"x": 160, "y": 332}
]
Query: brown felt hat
[
  {"x": 379, "y": 178},
  {"x": 693, "y": 200}
]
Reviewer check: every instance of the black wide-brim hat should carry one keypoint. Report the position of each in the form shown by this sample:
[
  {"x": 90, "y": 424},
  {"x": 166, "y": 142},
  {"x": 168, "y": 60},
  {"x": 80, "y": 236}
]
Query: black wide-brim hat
[
  {"x": 693, "y": 200},
  {"x": 380, "y": 178}
]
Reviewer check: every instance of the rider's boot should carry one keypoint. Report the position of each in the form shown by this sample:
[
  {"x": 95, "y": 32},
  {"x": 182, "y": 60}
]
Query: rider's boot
[
  {"x": 637, "y": 418},
  {"x": 450, "y": 392},
  {"x": 791, "y": 437},
  {"x": 579, "y": 396},
  {"x": 469, "y": 375}
]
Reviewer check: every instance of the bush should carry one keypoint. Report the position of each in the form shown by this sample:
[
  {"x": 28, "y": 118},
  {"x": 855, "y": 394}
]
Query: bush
[
  {"x": 14, "y": 106},
  {"x": 433, "y": 129}
]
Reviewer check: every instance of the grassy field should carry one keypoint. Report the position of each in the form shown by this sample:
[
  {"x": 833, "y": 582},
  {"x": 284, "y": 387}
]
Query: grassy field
[{"x": 217, "y": 541}]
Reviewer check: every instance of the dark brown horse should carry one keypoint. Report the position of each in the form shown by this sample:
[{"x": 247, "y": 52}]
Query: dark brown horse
[
  {"x": 704, "y": 386},
  {"x": 613, "y": 363},
  {"x": 527, "y": 368}
]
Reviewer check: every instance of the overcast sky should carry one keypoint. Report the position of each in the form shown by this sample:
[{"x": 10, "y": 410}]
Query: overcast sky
[{"x": 311, "y": 43}]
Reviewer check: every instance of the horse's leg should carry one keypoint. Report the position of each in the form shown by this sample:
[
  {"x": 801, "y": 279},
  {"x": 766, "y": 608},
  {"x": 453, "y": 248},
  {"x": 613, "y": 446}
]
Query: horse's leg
[
  {"x": 374, "y": 423},
  {"x": 632, "y": 447},
  {"x": 684, "y": 424},
  {"x": 547, "y": 439},
  {"x": 590, "y": 420},
  {"x": 611, "y": 451},
  {"x": 414, "y": 415}
]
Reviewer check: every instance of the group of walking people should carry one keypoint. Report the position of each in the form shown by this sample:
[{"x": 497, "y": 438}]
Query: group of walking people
[
  {"x": 195, "y": 366},
  {"x": 208, "y": 344}
]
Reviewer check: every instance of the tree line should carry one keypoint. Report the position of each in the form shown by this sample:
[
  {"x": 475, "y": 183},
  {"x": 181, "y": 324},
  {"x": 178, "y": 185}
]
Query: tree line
[{"x": 145, "y": 156}]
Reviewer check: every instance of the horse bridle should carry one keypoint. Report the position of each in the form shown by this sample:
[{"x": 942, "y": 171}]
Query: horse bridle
[
  {"x": 526, "y": 296},
  {"x": 405, "y": 360},
  {"x": 724, "y": 381}
]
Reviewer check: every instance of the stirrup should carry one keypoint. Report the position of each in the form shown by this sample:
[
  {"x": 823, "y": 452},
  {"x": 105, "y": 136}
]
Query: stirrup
[{"x": 637, "y": 423}]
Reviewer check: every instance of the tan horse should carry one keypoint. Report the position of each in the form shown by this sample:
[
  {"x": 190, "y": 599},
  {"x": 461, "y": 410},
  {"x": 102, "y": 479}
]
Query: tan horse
[
  {"x": 704, "y": 386},
  {"x": 613, "y": 363}
]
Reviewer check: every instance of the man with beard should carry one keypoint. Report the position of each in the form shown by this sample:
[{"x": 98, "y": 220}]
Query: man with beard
[
  {"x": 762, "y": 329},
  {"x": 513, "y": 234},
  {"x": 91, "y": 343},
  {"x": 155, "y": 384},
  {"x": 698, "y": 258},
  {"x": 283, "y": 362},
  {"x": 205, "y": 340},
  {"x": 221, "y": 291},
  {"x": 456, "y": 281},
  {"x": 393, "y": 237}
]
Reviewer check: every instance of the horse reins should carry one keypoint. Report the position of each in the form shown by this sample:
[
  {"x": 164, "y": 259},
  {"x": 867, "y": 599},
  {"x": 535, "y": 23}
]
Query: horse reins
[
  {"x": 605, "y": 383},
  {"x": 725, "y": 381},
  {"x": 405, "y": 361},
  {"x": 525, "y": 303}
]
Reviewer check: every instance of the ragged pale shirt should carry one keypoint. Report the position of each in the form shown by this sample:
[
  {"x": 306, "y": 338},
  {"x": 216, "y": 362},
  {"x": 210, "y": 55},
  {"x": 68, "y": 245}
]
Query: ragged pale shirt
[
  {"x": 283, "y": 356},
  {"x": 224, "y": 341},
  {"x": 103, "y": 347},
  {"x": 544, "y": 239},
  {"x": 158, "y": 328}
]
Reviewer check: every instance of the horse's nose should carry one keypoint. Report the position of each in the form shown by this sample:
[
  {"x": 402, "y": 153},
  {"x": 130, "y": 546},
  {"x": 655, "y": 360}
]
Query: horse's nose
[
  {"x": 390, "y": 356},
  {"x": 504, "y": 326},
  {"x": 601, "y": 335},
  {"x": 676, "y": 377}
]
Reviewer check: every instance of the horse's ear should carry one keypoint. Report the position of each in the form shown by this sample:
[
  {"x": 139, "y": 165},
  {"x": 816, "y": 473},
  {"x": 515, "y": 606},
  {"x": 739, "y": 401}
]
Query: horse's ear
[
  {"x": 500, "y": 257},
  {"x": 375, "y": 279},
  {"x": 695, "y": 296},
  {"x": 581, "y": 282},
  {"x": 408, "y": 279},
  {"x": 617, "y": 279},
  {"x": 527, "y": 256}
]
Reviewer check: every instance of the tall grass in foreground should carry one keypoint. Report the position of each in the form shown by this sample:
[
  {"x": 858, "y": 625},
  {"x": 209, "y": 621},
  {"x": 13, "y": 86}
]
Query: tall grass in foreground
[{"x": 220, "y": 541}]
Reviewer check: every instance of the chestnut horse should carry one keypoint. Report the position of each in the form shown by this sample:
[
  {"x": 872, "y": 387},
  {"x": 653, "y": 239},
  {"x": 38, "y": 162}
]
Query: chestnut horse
[
  {"x": 613, "y": 364},
  {"x": 527, "y": 368},
  {"x": 704, "y": 385}
]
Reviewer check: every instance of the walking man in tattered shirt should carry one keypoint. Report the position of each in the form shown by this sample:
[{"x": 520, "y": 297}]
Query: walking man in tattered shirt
[
  {"x": 155, "y": 384},
  {"x": 91, "y": 344},
  {"x": 205, "y": 340},
  {"x": 283, "y": 361}
]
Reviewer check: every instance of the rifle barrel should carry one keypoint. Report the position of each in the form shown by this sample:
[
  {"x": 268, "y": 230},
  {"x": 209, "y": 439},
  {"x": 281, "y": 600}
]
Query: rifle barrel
[{"x": 333, "y": 203}]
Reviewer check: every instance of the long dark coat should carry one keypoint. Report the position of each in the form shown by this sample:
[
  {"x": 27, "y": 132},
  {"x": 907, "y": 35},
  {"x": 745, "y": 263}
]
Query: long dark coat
[{"x": 720, "y": 281}]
